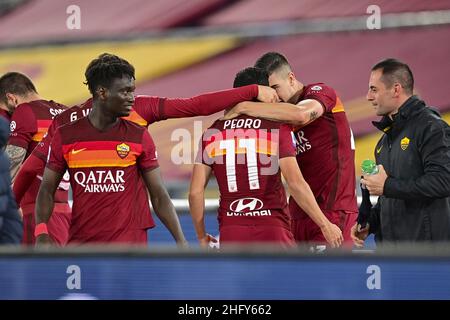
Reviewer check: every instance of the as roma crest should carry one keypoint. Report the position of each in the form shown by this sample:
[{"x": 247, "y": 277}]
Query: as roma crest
[
  {"x": 404, "y": 143},
  {"x": 123, "y": 150}
]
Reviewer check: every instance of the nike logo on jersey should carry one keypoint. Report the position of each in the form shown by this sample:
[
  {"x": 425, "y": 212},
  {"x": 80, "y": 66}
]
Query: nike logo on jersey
[
  {"x": 379, "y": 149},
  {"x": 77, "y": 151}
]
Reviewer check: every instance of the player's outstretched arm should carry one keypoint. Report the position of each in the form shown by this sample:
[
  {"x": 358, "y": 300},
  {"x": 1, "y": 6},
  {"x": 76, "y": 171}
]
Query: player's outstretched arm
[
  {"x": 45, "y": 201},
  {"x": 304, "y": 197},
  {"x": 300, "y": 114},
  {"x": 210, "y": 103},
  {"x": 163, "y": 206},
  {"x": 200, "y": 178}
]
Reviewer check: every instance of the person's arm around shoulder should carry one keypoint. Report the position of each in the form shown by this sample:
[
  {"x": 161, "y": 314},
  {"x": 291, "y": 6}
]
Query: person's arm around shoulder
[
  {"x": 210, "y": 103},
  {"x": 298, "y": 115}
]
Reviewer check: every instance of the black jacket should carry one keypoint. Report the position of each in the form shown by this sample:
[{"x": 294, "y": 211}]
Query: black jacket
[
  {"x": 11, "y": 229},
  {"x": 415, "y": 152}
]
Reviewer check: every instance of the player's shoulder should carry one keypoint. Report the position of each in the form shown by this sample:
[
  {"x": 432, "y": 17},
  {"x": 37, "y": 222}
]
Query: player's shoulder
[
  {"x": 74, "y": 113},
  {"x": 216, "y": 124},
  {"x": 24, "y": 107},
  {"x": 41, "y": 109},
  {"x": 24, "y": 113},
  {"x": 132, "y": 127},
  {"x": 144, "y": 100},
  {"x": 70, "y": 127},
  {"x": 54, "y": 104},
  {"x": 319, "y": 87},
  {"x": 132, "y": 131},
  {"x": 45, "y": 104},
  {"x": 65, "y": 116}
]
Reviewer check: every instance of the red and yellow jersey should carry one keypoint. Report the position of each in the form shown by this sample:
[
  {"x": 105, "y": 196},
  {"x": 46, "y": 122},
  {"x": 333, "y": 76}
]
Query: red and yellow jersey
[
  {"x": 30, "y": 122},
  {"x": 105, "y": 167},
  {"x": 29, "y": 125},
  {"x": 326, "y": 154},
  {"x": 244, "y": 155}
]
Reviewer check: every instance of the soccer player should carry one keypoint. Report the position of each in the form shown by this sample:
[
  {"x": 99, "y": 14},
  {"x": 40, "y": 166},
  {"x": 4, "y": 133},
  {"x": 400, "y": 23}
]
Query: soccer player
[
  {"x": 147, "y": 110},
  {"x": 29, "y": 123},
  {"x": 325, "y": 146},
  {"x": 244, "y": 154},
  {"x": 105, "y": 156},
  {"x": 33, "y": 167}
]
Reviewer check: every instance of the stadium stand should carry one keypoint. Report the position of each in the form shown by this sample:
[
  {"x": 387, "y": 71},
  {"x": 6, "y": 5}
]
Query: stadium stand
[
  {"x": 99, "y": 18},
  {"x": 252, "y": 11},
  {"x": 152, "y": 59}
]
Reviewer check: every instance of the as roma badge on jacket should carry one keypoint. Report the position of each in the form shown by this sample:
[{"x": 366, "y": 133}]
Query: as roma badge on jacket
[
  {"x": 123, "y": 150},
  {"x": 404, "y": 143}
]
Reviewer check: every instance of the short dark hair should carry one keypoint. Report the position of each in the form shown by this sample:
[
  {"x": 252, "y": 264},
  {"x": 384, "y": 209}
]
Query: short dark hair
[
  {"x": 393, "y": 71},
  {"x": 272, "y": 61},
  {"x": 15, "y": 83},
  {"x": 104, "y": 69},
  {"x": 251, "y": 75}
]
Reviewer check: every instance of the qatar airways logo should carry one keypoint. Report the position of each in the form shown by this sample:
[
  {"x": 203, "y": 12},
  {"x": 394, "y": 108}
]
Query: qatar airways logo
[
  {"x": 302, "y": 143},
  {"x": 101, "y": 181},
  {"x": 254, "y": 205}
]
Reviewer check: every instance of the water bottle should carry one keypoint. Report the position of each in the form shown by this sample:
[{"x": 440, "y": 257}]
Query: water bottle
[{"x": 369, "y": 167}]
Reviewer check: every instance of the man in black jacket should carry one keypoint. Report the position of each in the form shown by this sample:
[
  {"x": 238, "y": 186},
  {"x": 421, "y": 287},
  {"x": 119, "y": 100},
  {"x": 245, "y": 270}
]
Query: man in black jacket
[
  {"x": 10, "y": 221},
  {"x": 414, "y": 162}
]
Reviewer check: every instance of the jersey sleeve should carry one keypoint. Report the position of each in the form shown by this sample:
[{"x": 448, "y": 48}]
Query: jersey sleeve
[
  {"x": 208, "y": 103},
  {"x": 148, "y": 159},
  {"x": 286, "y": 142},
  {"x": 322, "y": 93},
  {"x": 23, "y": 126},
  {"x": 56, "y": 161},
  {"x": 42, "y": 148},
  {"x": 147, "y": 108}
]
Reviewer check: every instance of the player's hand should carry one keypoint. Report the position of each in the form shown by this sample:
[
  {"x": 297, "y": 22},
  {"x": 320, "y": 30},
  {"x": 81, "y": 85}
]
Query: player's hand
[
  {"x": 358, "y": 235},
  {"x": 204, "y": 241},
  {"x": 231, "y": 113},
  {"x": 43, "y": 240},
  {"x": 333, "y": 235},
  {"x": 267, "y": 94}
]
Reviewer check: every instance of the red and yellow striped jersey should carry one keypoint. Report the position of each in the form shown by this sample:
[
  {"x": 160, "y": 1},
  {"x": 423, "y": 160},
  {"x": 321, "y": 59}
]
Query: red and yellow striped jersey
[{"x": 105, "y": 168}]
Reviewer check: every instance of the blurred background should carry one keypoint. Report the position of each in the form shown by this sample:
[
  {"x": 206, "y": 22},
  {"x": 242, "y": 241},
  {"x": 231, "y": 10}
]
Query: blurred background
[{"x": 183, "y": 48}]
